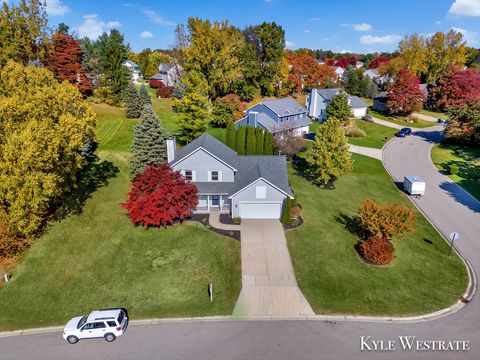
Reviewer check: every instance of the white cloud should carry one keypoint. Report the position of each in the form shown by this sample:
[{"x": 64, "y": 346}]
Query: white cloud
[
  {"x": 465, "y": 8},
  {"x": 314, "y": 19},
  {"x": 362, "y": 27},
  {"x": 92, "y": 26},
  {"x": 306, "y": 31},
  {"x": 438, "y": 22},
  {"x": 471, "y": 37},
  {"x": 155, "y": 18},
  {"x": 343, "y": 51},
  {"x": 146, "y": 34},
  {"x": 289, "y": 43},
  {"x": 387, "y": 39},
  {"x": 55, "y": 7}
]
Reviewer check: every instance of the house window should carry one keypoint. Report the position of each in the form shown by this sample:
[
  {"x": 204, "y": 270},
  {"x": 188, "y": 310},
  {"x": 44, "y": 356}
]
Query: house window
[
  {"x": 261, "y": 192},
  {"x": 214, "y": 176},
  {"x": 189, "y": 175}
]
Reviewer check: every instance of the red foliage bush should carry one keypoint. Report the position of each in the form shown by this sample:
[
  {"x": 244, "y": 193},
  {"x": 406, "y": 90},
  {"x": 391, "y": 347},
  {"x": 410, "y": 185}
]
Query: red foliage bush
[
  {"x": 376, "y": 250},
  {"x": 154, "y": 84},
  {"x": 160, "y": 196},
  {"x": 377, "y": 61},
  {"x": 405, "y": 94},
  {"x": 165, "y": 91}
]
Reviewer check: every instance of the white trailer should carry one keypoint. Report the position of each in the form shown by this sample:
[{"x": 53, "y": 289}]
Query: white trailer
[{"x": 414, "y": 185}]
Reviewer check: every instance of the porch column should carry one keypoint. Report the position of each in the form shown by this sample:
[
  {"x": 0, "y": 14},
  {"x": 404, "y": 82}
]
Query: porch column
[
  {"x": 221, "y": 203},
  {"x": 208, "y": 203}
]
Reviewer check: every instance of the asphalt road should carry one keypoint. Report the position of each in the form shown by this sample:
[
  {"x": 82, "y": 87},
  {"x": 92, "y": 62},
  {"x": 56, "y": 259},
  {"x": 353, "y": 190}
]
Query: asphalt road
[{"x": 449, "y": 207}]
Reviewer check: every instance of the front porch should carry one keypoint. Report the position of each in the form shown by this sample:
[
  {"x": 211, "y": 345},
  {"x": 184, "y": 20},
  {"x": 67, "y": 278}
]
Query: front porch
[{"x": 212, "y": 203}]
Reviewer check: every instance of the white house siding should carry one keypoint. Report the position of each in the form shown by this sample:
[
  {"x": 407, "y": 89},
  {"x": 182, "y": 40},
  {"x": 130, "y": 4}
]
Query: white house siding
[
  {"x": 359, "y": 112},
  {"x": 203, "y": 163},
  {"x": 248, "y": 195}
]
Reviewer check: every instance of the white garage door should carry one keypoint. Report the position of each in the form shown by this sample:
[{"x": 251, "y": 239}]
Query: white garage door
[{"x": 260, "y": 210}]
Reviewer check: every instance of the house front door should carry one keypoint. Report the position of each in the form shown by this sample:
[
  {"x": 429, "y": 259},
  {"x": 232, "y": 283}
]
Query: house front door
[{"x": 215, "y": 200}]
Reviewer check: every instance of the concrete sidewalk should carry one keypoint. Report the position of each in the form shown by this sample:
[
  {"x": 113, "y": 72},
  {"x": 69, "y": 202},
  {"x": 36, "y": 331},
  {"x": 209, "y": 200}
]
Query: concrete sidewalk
[
  {"x": 214, "y": 220},
  {"x": 269, "y": 286},
  {"x": 362, "y": 150},
  {"x": 424, "y": 117},
  {"x": 388, "y": 123}
]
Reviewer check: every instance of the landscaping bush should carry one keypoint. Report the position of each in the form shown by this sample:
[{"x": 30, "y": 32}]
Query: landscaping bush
[
  {"x": 296, "y": 211},
  {"x": 453, "y": 169},
  {"x": 355, "y": 132},
  {"x": 165, "y": 91},
  {"x": 287, "y": 211},
  {"x": 376, "y": 250},
  {"x": 160, "y": 197},
  {"x": 154, "y": 84},
  {"x": 385, "y": 221}
]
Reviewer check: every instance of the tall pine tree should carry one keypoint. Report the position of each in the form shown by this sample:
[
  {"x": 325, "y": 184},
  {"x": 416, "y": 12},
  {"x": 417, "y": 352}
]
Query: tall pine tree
[
  {"x": 240, "y": 140},
  {"x": 259, "y": 141},
  {"x": 133, "y": 105},
  {"x": 230, "y": 136},
  {"x": 338, "y": 108},
  {"x": 329, "y": 157},
  {"x": 250, "y": 141},
  {"x": 149, "y": 145},
  {"x": 268, "y": 143},
  {"x": 144, "y": 96}
]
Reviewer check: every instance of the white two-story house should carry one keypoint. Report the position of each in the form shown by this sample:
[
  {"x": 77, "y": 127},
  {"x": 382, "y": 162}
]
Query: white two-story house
[
  {"x": 246, "y": 186},
  {"x": 318, "y": 100}
]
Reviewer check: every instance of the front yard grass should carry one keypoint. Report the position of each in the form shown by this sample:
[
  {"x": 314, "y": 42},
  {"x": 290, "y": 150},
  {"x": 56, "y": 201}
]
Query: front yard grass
[
  {"x": 377, "y": 135},
  {"x": 95, "y": 258},
  {"x": 401, "y": 120},
  {"x": 467, "y": 159},
  {"x": 422, "y": 279}
]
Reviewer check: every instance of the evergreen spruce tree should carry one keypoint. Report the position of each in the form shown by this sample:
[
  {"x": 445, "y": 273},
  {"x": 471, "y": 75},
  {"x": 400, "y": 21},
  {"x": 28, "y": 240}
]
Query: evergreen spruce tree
[
  {"x": 149, "y": 143},
  {"x": 268, "y": 143},
  {"x": 259, "y": 141},
  {"x": 240, "y": 140},
  {"x": 339, "y": 108},
  {"x": 230, "y": 136},
  {"x": 329, "y": 157},
  {"x": 144, "y": 96},
  {"x": 287, "y": 211},
  {"x": 133, "y": 105},
  {"x": 250, "y": 141}
]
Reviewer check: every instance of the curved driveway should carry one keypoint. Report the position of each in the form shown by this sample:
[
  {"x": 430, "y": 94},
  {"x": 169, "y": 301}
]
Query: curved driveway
[{"x": 448, "y": 206}]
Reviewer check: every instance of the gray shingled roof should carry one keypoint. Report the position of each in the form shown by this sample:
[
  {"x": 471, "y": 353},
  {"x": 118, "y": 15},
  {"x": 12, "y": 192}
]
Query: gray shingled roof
[
  {"x": 329, "y": 94},
  {"x": 212, "y": 145},
  {"x": 166, "y": 66},
  {"x": 158, "y": 76},
  {"x": 268, "y": 123},
  {"x": 253, "y": 167},
  {"x": 217, "y": 188},
  {"x": 285, "y": 106}
]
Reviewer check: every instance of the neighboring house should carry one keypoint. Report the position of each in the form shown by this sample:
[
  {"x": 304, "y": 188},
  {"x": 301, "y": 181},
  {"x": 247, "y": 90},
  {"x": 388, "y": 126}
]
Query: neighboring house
[
  {"x": 358, "y": 64},
  {"x": 318, "y": 100},
  {"x": 134, "y": 70},
  {"x": 321, "y": 62},
  {"x": 380, "y": 102},
  {"x": 375, "y": 75},
  {"x": 246, "y": 186},
  {"x": 339, "y": 71},
  {"x": 168, "y": 73},
  {"x": 277, "y": 116}
]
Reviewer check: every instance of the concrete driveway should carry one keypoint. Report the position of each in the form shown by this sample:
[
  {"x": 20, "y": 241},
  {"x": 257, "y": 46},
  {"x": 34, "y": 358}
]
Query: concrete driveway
[{"x": 269, "y": 286}]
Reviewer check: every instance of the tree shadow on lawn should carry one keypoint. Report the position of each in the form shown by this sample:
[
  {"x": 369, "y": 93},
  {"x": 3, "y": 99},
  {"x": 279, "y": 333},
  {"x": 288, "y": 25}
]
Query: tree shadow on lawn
[
  {"x": 94, "y": 176},
  {"x": 352, "y": 225},
  {"x": 301, "y": 169}
]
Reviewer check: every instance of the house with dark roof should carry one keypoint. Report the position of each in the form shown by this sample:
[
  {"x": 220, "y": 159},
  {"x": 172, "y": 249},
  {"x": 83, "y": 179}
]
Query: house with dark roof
[
  {"x": 318, "y": 100},
  {"x": 277, "y": 116},
  {"x": 168, "y": 73},
  {"x": 245, "y": 186},
  {"x": 135, "y": 72}
]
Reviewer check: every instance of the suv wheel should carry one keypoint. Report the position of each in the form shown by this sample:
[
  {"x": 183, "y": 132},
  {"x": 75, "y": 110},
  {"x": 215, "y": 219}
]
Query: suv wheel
[
  {"x": 110, "y": 337},
  {"x": 72, "y": 339}
]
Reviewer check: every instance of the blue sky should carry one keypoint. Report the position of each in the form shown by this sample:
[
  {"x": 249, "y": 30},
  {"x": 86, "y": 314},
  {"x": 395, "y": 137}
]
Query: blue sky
[{"x": 339, "y": 25}]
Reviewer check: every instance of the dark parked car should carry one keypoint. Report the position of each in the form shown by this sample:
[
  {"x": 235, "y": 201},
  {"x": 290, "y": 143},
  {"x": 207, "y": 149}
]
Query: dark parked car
[
  {"x": 309, "y": 136},
  {"x": 407, "y": 131},
  {"x": 441, "y": 121},
  {"x": 401, "y": 134}
]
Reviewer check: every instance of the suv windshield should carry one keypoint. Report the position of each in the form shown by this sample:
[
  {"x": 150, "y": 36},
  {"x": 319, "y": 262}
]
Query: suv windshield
[
  {"x": 120, "y": 317},
  {"x": 82, "y": 321}
]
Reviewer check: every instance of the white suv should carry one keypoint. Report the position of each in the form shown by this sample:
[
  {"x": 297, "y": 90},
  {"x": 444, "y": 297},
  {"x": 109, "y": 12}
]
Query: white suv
[{"x": 107, "y": 323}]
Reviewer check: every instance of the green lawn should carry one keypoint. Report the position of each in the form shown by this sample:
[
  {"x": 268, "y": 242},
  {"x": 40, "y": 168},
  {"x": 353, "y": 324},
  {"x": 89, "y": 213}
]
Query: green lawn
[
  {"x": 433, "y": 114},
  {"x": 95, "y": 258},
  {"x": 401, "y": 120},
  {"x": 377, "y": 135},
  {"x": 422, "y": 279},
  {"x": 467, "y": 159}
]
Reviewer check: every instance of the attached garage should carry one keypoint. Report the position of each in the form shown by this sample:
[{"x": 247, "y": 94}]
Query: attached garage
[{"x": 260, "y": 210}]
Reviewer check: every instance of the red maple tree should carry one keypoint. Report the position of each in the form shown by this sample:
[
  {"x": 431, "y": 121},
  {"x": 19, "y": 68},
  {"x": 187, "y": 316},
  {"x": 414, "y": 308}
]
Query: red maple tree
[
  {"x": 405, "y": 94},
  {"x": 160, "y": 196},
  {"x": 377, "y": 61},
  {"x": 456, "y": 87},
  {"x": 306, "y": 72},
  {"x": 65, "y": 61}
]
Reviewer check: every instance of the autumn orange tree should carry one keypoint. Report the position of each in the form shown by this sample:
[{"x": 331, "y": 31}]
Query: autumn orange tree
[
  {"x": 405, "y": 94},
  {"x": 65, "y": 61},
  {"x": 306, "y": 72}
]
